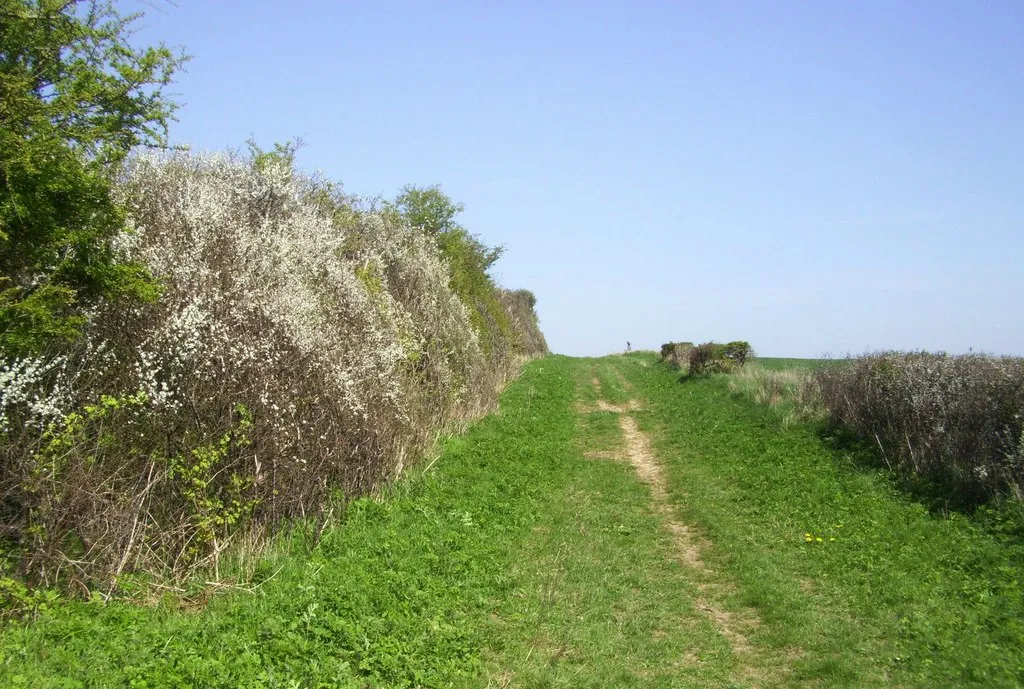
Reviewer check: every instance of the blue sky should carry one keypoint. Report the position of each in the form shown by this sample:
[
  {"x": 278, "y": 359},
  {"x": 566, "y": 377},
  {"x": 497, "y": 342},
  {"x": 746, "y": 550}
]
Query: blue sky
[{"x": 813, "y": 177}]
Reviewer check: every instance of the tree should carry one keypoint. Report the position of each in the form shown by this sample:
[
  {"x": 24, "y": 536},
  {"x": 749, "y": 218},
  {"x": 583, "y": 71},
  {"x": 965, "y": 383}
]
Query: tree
[
  {"x": 429, "y": 209},
  {"x": 469, "y": 259},
  {"x": 75, "y": 99},
  {"x": 432, "y": 211}
]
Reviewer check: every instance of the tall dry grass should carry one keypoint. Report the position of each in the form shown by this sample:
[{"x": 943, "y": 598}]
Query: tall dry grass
[{"x": 792, "y": 391}]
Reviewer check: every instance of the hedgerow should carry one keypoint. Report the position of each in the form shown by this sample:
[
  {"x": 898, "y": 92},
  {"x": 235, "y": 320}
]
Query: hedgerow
[
  {"x": 955, "y": 421},
  {"x": 676, "y": 354},
  {"x": 301, "y": 348},
  {"x": 709, "y": 357}
]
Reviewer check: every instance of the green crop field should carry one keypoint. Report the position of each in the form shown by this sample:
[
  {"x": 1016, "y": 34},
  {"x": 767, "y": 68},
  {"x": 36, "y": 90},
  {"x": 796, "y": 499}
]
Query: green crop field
[
  {"x": 610, "y": 526},
  {"x": 782, "y": 364}
]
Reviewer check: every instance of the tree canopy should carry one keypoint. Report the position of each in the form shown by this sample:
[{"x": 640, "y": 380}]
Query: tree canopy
[{"x": 75, "y": 98}]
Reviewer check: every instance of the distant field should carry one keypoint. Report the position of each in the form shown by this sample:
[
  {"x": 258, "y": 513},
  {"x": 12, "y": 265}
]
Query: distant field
[{"x": 782, "y": 363}]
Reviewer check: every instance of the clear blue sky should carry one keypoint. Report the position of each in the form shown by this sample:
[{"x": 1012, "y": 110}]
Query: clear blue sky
[{"x": 814, "y": 177}]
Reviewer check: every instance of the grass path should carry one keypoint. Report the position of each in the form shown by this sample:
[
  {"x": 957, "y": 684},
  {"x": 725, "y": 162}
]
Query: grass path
[
  {"x": 612, "y": 590},
  {"x": 610, "y": 527},
  {"x": 799, "y": 567}
]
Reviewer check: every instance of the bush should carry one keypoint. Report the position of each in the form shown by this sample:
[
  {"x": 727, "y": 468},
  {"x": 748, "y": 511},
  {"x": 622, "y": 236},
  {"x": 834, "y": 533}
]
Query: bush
[
  {"x": 301, "y": 347},
  {"x": 737, "y": 351},
  {"x": 528, "y": 340},
  {"x": 676, "y": 354},
  {"x": 709, "y": 357},
  {"x": 957, "y": 421}
]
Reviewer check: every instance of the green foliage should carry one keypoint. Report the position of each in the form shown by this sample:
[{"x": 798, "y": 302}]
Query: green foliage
[
  {"x": 283, "y": 153},
  {"x": 215, "y": 505},
  {"x": 429, "y": 209},
  {"x": 77, "y": 428},
  {"x": 738, "y": 351},
  {"x": 19, "y": 601},
  {"x": 75, "y": 98},
  {"x": 469, "y": 259}
]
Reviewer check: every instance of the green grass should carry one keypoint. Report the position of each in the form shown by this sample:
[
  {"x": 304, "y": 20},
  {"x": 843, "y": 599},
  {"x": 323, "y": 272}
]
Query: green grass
[
  {"x": 780, "y": 364},
  {"x": 531, "y": 555},
  {"x": 600, "y": 597},
  {"x": 612, "y": 383},
  {"x": 899, "y": 597}
]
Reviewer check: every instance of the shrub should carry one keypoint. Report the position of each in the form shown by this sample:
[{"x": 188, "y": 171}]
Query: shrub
[
  {"x": 737, "y": 351},
  {"x": 676, "y": 354},
  {"x": 954, "y": 420},
  {"x": 301, "y": 347},
  {"x": 709, "y": 357}
]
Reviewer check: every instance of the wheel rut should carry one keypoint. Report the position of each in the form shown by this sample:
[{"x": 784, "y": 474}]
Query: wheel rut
[{"x": 735, "y": 626}]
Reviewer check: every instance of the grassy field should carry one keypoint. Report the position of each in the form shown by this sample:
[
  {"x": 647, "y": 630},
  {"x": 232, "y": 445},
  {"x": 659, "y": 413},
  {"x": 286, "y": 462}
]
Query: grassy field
[
  {"x": 783, "y": 364},
  {"x": 610, "y": 526}
]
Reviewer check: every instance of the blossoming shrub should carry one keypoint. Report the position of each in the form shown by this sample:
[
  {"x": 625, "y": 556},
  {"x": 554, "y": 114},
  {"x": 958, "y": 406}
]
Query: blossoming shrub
[
  {"x": 954, "y": 420},
  {"x": 301, "y": 348}
]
